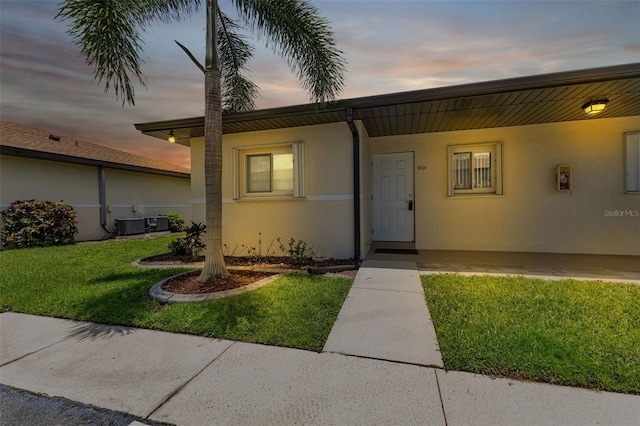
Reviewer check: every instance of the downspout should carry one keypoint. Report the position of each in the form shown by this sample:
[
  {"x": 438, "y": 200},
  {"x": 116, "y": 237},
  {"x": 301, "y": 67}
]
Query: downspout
[
  {"x": 356, "y": 182},
  {"x": 102, "y": 198}
]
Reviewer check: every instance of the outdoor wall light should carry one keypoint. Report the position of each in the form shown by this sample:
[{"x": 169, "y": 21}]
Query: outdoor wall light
[
  {"x": 172, "y": 138},
  {"x": 594, "y": 107}
]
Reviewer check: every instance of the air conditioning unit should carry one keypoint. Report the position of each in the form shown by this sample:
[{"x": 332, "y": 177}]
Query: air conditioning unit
[
  {"x": 156, "y": 224},
  {"x": 150, "y": 224},
  {"x": 163, "y": 224},
  {"x": 132, "y": 226}
]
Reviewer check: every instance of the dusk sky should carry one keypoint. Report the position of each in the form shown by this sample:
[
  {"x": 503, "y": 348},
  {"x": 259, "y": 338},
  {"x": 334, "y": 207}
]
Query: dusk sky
[{"x": 390, "y": 46}]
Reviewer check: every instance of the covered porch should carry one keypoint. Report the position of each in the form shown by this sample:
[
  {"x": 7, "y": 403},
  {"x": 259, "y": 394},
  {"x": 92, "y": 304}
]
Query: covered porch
[{"x": 558, "y": 265}]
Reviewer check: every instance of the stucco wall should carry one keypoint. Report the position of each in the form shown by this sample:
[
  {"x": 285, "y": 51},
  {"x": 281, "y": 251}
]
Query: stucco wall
[
  {"x": 531, "y": 215},
  {"x": 26, "y": 179},
  {"x": 77, "y": 185},
  {"x": 323, "y": 219},
  {"x": 149, "y": 195}
]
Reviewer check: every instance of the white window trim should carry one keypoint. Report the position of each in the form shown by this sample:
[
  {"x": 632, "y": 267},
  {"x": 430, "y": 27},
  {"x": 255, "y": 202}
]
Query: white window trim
[
  {"x": 497, "y": 176},
  {"x": 632, "y": 163},
  {"x": 298, "y": 170},
  {"x": 297, "y": 149}
]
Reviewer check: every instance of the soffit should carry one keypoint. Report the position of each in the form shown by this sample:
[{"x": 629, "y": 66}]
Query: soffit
[
  {"x": 539, "y": 99},
  {"x": 504, "y": 109}
]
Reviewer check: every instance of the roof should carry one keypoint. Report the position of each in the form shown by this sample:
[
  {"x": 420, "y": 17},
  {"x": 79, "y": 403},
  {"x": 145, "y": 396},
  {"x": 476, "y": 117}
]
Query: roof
[
  {"x": 537, "y": 99},
  {"x": 19, "y": 140}
]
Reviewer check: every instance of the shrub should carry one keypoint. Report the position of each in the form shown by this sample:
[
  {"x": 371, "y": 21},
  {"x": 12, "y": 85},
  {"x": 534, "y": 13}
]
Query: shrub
[
  {"x": 178, "y": 247},
  {"x": 38, "y": 224},
  {"x": 297, "y": 250},
  {"x": 191, "y": 245},
  {"x": 176, "y": 222}
]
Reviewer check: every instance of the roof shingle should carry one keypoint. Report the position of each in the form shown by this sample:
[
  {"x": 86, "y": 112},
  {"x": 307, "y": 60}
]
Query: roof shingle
[{"x": 22, "y": 140}]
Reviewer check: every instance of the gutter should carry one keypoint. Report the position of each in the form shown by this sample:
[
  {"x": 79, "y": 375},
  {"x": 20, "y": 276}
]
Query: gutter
[
  {"x": 42, "y": 155},
  {"x": 102, "y": 198},
  {"x": 356, "y": 183},
  {"x": 279, "y": 115}
]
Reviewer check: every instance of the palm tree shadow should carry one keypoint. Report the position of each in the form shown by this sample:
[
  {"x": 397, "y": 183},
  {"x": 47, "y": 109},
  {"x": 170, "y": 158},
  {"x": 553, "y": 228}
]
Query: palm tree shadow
[
  {"x": 92, "y": 331},
  {"x": 148, "y": 275}
]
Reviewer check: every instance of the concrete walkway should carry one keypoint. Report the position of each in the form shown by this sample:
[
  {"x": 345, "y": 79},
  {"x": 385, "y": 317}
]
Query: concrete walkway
[
  {"x": 189, "y": 380},
  {"x": 381, "y": 365},
  {"x": 385, "y": 316},
  {"x": 538, "y": 265}
]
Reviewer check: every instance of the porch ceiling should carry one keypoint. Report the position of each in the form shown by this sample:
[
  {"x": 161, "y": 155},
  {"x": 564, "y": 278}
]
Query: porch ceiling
[{"x": 538, "y": 99}]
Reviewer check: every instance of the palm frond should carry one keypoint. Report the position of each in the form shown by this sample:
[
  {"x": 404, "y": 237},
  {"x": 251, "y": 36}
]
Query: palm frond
[
  {"x": 166, "y": 10},
  {"x": 239, "y": 92},
  {"x": 190, "y": 55},
  {"x": 108, "y": 34},
  {"x": 296, "y": 31}
]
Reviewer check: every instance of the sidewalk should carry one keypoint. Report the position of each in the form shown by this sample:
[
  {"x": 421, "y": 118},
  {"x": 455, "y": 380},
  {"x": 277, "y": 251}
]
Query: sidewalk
[
  {"x": 385, "y": 316},
  {"x": 381, "y": 374}
]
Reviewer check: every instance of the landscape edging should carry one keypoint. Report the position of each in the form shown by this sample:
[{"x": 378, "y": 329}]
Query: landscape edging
[{"x": 163, "y": 296}]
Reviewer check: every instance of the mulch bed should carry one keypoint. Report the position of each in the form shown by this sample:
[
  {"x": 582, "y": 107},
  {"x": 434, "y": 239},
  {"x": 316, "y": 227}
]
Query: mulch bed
[
  {"x": 271, "y": 262},
  {"x": 188, "y": 283}
]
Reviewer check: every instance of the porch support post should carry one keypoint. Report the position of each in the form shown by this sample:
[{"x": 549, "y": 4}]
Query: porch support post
[{"x": 356, "y": 182}]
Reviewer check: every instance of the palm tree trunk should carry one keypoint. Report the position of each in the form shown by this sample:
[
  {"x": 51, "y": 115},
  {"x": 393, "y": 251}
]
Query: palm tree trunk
[{"x": 214, "y": 266}]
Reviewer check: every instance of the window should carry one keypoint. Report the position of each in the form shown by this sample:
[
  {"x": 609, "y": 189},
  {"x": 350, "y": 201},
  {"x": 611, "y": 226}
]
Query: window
[
  {"x": 475, "y": 169},
  {"x": 268, "y": 171},
  {"x": 632, "y": 163}
]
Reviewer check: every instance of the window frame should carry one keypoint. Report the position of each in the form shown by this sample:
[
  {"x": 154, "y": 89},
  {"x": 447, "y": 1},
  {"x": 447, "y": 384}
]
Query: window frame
[
  {"x": 632, "y": 163},
  {"x": 248, "y": 168},
  {"x": 496, "y": 188},
  {"x": 241, "y": 155}
]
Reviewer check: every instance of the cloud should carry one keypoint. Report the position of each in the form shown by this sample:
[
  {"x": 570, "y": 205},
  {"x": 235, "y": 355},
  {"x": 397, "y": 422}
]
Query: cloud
[
  {"x": 634, "y": 49},
  {"x": 46, "y": 84},
  {"x": 390, "y": 46},
  {"x": 469, "y": 37}
]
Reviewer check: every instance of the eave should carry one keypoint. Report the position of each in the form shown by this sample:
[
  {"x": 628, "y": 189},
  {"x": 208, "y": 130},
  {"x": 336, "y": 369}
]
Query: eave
[
  {"x": 40, "y": 155},
  {"x": 546, "y": 98}
]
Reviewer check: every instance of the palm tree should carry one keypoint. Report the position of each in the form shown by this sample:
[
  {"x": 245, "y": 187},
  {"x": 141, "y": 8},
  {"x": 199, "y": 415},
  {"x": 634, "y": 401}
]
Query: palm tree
[{"x": 108, "y": 33}]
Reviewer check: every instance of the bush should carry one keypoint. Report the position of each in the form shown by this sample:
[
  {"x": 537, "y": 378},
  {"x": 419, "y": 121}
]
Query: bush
[
  {"x": 297, "y": 250},
  {"x": 38, "y": 224},
  {"x": 191, "y": 245},
  {"x": 176, "y": 222}
]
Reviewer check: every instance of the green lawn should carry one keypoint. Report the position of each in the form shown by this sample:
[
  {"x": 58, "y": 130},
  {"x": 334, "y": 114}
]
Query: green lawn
[
  {"x": 96, "y": 282},
  {"x": 577, "y": 333}
]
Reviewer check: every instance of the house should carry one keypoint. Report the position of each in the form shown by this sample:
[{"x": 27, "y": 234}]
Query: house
[
  {"x": 515, "y": 165},
  {"x": 100, "y": 183}
]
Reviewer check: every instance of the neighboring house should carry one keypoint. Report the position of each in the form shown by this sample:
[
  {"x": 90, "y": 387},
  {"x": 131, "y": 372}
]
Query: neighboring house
[
  {"x": 102, "y": 184},
  {"x": 506, "y": 165}
]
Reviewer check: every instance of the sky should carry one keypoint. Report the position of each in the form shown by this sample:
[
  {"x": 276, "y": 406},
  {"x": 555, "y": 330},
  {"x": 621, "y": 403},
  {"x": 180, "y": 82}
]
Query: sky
[{"x": 390, "y": 46}]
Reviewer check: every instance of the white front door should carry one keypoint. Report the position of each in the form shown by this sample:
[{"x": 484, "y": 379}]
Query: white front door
[{"x": 393, "y": 203}]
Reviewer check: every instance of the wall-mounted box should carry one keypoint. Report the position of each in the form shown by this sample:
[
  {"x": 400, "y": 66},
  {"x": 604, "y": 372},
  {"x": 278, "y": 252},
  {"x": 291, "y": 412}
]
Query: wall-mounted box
[{"x": 564, "y": 178}]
